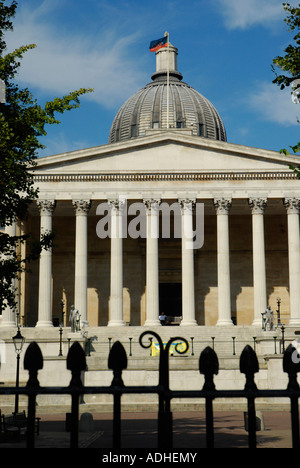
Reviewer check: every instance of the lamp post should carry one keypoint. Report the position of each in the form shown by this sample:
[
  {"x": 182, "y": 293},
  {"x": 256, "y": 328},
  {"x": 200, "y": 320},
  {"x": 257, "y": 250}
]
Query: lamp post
[
  {"x": 60, "y": 340},
  {"x": 61, "y": 327},
  {"x": 282, "y": 338},
  {"x": 18, "y": 341},
  {"x": 278, "y": 310},
  {"x": 62, "y": 312}
]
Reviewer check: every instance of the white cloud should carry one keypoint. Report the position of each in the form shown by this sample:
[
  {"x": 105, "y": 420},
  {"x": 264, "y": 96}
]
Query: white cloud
[
  {"x": 274, "y": 105},
  {"x": 242, "y": 14},
  {"x": 65, "y": 60}
]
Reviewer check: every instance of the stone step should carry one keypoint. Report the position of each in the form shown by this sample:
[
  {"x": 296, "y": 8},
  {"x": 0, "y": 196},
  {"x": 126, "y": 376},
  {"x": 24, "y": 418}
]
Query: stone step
[{"x": 221, "y": 339}]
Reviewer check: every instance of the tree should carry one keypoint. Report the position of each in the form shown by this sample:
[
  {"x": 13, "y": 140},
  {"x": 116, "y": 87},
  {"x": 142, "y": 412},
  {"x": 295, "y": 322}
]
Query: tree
[
  {"x": 22, "y": 123},
  {"x": 289, "y": 64}
]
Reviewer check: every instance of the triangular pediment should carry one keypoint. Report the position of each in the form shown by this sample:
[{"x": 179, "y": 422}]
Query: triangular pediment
[{"x": 168, "y": 152}]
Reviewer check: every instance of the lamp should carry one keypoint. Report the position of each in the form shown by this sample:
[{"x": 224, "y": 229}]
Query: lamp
[{"x": 18, "y": 341}]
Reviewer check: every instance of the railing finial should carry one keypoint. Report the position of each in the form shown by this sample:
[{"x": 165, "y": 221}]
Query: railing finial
[
  {"x": 76, "y": 363},
  {"x": 117, "y": 362},
  {"x": 33, "y": 362},
  {"x": 208, "y": 366},
  {"x": 249, "y": 366}
]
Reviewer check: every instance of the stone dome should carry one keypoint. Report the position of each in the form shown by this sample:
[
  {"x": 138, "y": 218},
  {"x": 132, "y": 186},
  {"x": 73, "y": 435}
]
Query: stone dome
[{"x": 146, "y": 111}]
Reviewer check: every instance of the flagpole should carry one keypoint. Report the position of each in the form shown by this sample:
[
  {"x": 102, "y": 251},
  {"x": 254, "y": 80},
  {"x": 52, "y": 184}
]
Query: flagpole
[{"x": 168, "y": 78}]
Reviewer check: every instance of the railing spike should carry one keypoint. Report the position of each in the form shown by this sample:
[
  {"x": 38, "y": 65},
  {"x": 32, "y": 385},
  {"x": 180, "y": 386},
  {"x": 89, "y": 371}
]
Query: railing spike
[
  {"x": 249, "y": 366},
  {"x": 33, "y": 362},
  {"x": 117, "y": 362},
  {"x": 76, "y": 363},
  {"x": 208, "y": 366}
]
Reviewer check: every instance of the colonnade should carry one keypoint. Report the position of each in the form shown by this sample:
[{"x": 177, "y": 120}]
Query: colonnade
[{"x": 222, "y": 208}]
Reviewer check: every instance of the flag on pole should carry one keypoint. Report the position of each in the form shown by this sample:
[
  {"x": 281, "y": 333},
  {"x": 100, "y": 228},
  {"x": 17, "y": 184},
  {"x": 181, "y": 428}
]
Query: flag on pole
[{"x": 158, "y": 44}]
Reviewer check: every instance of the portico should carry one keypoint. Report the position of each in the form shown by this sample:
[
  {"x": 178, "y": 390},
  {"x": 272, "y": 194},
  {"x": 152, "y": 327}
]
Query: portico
[{"x": 249, "y": 255}]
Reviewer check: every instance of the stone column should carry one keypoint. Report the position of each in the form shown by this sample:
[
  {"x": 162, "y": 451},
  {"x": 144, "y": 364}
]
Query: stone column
[
  {"x": 292, "y": 206},
  {"x": 258, "y": 206},
  {"x": 46, "y": 208},
  {"x": 187, "y": 259},
  {"x": 82, "y": 208},
  {"x": 116, "y": 264},
  {"x": 152, "y": 265},
  {"x": 222, "y": 207},
  {"x": 8, "y": 314}
]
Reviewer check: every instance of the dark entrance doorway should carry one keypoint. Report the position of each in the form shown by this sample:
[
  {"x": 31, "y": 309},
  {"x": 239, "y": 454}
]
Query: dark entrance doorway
[{"x": 170, "y": 299}]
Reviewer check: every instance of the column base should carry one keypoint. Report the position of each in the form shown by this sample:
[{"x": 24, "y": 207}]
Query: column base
[
  {"x": 44, "y": 323},
  {"x": 257, "y": 323},
  {"x": 294, "y": 322},
  {"x": 225, "y": 323},
  {"x": 116, "y": 323},
  {"x": 8, "y": 324},
  {"x": 152, "y": 323},
  {"x": 188, "y": 323}
]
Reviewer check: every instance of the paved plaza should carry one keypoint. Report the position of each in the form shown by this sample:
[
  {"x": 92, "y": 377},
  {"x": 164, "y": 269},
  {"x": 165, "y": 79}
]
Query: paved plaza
[{"x": 139, "y": 430}]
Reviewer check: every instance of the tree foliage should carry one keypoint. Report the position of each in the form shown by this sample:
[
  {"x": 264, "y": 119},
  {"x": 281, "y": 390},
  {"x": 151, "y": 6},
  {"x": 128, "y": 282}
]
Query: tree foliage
[
  {"x": 289, "y": 64},
  {"x": 22, "y": 122}
]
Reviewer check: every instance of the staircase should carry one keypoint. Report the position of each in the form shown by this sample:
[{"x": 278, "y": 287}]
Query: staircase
[{"x": 226, "y": 341}]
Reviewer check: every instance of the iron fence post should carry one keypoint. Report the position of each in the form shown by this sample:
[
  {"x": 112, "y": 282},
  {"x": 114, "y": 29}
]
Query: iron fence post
[
  {"x": 249, "y": 366},
  {"x": 209, "y": 366},
  {"x": 76, "y": 363},
  {"x": 117, "y": 361},
  {"x": 33, "y": 362}
]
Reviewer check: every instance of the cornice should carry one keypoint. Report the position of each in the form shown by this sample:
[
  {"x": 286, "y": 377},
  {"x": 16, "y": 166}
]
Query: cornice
[{"x": 166, "y": 176}]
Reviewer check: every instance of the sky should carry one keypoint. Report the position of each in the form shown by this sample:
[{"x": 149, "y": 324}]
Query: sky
[{"x": 225, "y": 51}]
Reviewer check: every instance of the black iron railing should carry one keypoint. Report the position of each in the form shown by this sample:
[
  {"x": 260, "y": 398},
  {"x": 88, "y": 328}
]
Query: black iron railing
[{"x": 117, "y": 362}]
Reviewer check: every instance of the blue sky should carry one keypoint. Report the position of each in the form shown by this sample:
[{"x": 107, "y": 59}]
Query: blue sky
[{"x": 225, "y": 47}]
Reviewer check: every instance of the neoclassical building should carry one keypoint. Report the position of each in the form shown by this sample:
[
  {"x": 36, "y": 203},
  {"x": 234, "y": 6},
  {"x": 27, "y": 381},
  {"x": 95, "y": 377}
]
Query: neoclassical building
[{"x": 167, "y": 148}]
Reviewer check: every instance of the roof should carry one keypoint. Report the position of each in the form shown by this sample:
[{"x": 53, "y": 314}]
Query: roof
[{"x": 146, "y": 111}]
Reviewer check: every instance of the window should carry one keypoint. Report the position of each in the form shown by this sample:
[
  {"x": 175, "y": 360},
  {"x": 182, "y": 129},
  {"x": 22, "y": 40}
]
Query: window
[
  {"x": 133, "y": 130},
  {"x": 201, "y": 130}
]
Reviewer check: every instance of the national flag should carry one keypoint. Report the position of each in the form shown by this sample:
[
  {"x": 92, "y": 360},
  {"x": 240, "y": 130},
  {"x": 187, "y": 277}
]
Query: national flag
[{"x": 158, "y": 44}]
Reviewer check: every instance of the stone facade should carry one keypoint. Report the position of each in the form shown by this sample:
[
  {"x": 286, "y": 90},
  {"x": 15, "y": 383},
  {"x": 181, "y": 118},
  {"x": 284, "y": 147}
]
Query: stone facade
[{"x": 248, "y": 258}]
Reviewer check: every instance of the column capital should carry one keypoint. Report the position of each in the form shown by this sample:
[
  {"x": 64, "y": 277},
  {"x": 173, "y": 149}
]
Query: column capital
[
  {"x": 46, "y": 206},
  {"x": 222, "y": 205},
  {"x": 187, "y": 204},
  {"x": 81, "y": 206},
  {"x": 116, "y": 204},
  {"x": 152, "y": 203},
  {"x": 292, "y": 205},
  {"x": 257, "y": 205}
]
